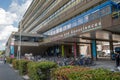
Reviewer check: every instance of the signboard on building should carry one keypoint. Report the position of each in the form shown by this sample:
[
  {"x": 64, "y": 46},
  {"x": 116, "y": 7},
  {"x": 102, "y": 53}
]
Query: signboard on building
[
  {"x": 12, "y": 50},
  {"x": 77, "y": 30}
]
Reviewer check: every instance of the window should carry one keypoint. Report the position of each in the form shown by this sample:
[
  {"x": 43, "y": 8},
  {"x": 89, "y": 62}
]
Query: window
[
  {"x": 60, "y": 29},
  {"x": 86, "y": 18},
  {"x": 64, "y": 28},
  {"x": 105, "y": 10},
  {"x": 80, "y": 21},
  {"x": 68, "y": 26},
  {"x": 74, "y": 23},
  {"x": 96, "y": 14}
]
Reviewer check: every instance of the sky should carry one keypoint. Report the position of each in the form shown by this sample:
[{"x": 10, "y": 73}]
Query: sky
[{"x": 11, "y": 12}]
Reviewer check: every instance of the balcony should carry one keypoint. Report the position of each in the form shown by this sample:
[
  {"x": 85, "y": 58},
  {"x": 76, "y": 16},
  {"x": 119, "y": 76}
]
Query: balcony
[
  {"x": 26, "y": 43},
  {"x": 79, "y": 8}
]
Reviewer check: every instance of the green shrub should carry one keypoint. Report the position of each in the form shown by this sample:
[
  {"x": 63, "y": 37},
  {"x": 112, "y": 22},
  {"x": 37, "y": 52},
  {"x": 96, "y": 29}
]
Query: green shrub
[
  {"x": 40, "y": 70},
  {"x": 115, "y": 76},
  {"x": 69, "y": 73},
  {"x": 23, "y": 66},
  {"x": 80, "y": 73},
  {"x": 9, "y": 60},
  {"x": 15, "y": 64}
]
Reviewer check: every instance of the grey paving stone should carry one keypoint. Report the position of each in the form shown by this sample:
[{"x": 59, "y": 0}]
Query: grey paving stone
[{"x": 8, "y": 73}]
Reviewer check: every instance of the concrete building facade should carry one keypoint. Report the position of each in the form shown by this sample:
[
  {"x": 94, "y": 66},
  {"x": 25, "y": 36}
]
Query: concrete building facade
[{"x": 69, "y": 26}]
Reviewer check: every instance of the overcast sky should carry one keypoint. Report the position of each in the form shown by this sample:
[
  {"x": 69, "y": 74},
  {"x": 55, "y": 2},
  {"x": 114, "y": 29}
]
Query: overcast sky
[{"x": 11, "y": 12}]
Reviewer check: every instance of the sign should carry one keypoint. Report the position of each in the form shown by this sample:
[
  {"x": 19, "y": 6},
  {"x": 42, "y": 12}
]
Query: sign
[
  {"x": 12, "y": 50},
  {"x": 73, "y": 32},
  {"x": 91, "y": 27}
]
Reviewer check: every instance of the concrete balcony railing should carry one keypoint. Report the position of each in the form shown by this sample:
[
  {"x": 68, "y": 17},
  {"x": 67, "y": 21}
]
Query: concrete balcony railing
[
  {"x": 49, "y": 11},
  {"x": 26, "y": 43},
  {"x": 81, "y": 7}
]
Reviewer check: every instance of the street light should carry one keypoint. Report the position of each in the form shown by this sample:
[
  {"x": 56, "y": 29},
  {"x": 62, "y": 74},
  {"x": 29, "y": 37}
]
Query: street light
[{"x": 19, "y": 47}]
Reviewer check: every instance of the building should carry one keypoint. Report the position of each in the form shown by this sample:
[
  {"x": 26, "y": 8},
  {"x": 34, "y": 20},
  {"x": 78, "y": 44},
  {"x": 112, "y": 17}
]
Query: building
[
  {"x": 73, "y": 27},
  {"x": 23, "y": 43}
]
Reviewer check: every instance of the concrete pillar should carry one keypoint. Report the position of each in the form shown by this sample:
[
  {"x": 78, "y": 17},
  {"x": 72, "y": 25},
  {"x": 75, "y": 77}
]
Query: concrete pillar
[
  {"x": 63, "y": 51},
  {"x": 111, "y": 45},
  {"x": 89, "y": 50},
  {"x": 75, "y": 51},
  {"x": 94, "y": 49}
]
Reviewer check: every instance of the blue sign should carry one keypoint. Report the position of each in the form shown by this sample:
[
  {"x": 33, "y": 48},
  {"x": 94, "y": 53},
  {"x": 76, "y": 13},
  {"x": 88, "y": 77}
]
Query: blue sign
[{"x": 12, "y": 49}]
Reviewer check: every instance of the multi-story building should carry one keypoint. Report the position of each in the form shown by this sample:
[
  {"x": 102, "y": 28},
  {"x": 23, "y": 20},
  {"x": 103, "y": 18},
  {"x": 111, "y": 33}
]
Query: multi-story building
[
  {"x": 73, "y": 27},
  {"x": 23, "y": 43}
]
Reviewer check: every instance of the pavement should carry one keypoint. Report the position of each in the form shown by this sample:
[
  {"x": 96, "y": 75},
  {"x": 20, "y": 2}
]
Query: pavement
[
  {"x": 106, "y": 64},
  {"x": 8, "y": 73}
]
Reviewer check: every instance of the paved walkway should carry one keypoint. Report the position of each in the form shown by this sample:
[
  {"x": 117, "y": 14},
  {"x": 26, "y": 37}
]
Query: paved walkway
[
  {"x": 7, "y": 73},
  {"x": 107, "y": 64}
]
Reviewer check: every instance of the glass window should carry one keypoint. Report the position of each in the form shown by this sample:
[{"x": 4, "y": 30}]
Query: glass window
[
  {"x": 69, "y": 26},
  {"x": 91, "y": 17},
  {"x": 114, "y": 8},
  {"x": 60, "y": 29},
  {"x": 74, "y": 23},
  {"x": 57, "y": 30},
  {"x": 64, "y": 28},
  {"x": 86, "y": 18},
  {"x": 105, "y": 10},
  {"x": 96, "y": 14},
  {"x": 80, "y": 21}
]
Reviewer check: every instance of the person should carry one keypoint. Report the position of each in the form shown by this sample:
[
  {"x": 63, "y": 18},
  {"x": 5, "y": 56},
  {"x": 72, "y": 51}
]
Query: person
[
  {"x": 5, "y": 60},
  {"x": 117, "y": 59}
]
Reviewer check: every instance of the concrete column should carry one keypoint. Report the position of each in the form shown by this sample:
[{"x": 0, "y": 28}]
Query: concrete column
[
  {"x": 111, "y": 45},
  {"x": 75, "y": 51},
  {"x": 63, "y": 52},
  {"x": 89, "y": 50},
  {"x": 94, "y": 49}
]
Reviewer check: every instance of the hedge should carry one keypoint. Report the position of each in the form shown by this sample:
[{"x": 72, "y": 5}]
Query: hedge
[
  {"x": 23, "y": 69},
  {"x": 15, "y": 64},
  {"x": 10, "y": 60},
  {"x": 40, "y": 70},
  {"x": 68, "y": 72},
  {"x": 80, "y": 73}
]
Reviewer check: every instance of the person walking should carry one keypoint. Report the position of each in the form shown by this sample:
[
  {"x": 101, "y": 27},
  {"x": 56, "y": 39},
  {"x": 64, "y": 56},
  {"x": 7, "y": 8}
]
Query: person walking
[
  {"x": 117, "y": 59},
  {"x": 5, "y": 60}
]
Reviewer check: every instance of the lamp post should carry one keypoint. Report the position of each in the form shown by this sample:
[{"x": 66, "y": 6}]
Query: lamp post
[{"x": 19, "y": 47}]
